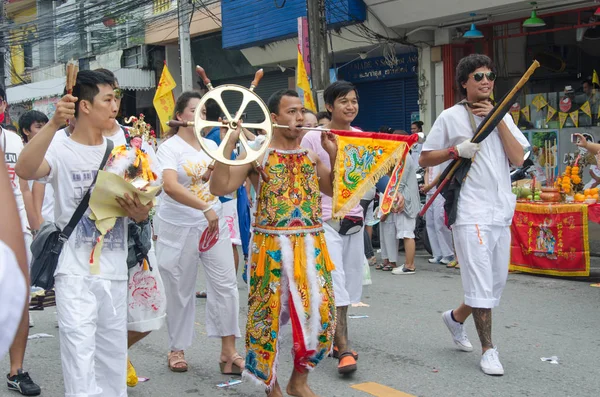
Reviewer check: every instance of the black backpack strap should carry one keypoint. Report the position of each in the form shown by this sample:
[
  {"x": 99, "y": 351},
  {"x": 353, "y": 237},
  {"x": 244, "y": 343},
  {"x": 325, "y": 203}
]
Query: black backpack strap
[{"x": 83, "y": 205}]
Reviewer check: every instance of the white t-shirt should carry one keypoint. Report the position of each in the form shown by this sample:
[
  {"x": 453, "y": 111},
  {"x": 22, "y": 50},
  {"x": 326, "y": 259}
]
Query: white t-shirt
[
  {"x": 48, "y": 203},
  {"x": 12, "y": 145},
  {"x": 12, "y": 297},
  {"x": 190, "y": 164},
  {"x": 486, "y": 197},
  {"x": 73, "y": 167}
]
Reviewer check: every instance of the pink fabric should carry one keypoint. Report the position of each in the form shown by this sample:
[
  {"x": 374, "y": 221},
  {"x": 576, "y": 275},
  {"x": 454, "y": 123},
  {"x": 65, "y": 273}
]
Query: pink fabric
[{"x": 312, "y": 141}]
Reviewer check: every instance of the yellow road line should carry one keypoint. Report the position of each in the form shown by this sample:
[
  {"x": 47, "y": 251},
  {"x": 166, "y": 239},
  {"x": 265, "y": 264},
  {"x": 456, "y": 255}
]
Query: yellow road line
[{"x": 377, "y": 390}]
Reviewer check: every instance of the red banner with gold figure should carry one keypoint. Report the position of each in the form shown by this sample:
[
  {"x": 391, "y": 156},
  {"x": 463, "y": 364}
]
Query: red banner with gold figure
[{"x": 550, "y": 239}]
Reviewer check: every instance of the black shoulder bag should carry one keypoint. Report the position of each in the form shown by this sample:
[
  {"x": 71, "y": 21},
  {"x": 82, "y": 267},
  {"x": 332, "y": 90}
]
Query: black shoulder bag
[{"x": 48, "y": 243}]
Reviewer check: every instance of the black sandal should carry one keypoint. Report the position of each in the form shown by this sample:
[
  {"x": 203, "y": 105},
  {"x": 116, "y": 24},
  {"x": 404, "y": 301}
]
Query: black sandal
[{"x": 389, "y": 267}]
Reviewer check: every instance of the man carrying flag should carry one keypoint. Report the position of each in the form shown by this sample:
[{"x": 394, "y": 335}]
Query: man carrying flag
[
  {"x": 163, "y": 102},
  {"x": 344, "y": 238}
]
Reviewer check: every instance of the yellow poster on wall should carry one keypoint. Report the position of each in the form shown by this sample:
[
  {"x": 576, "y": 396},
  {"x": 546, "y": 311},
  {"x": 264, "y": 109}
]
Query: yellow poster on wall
[
  {"x": 562, "y": 118},
  {"x": 575, "y": 117},
  {"x": 551, "y": 113},
  {"x": 525, "y": 112}
]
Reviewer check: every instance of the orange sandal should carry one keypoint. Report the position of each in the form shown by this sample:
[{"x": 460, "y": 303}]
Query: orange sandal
[
  {"x": 347, "y": 363},
  {"x": 335, "y": 353},
  {"x": 175, "y": 361},
  {"x": 230, "y": 367}
]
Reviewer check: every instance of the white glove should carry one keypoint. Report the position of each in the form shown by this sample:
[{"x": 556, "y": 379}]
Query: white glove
[{"x": 467, "y": 149}]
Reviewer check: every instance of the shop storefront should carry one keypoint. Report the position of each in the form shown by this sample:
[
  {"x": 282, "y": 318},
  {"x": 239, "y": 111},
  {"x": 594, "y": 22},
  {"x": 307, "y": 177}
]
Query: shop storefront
[
  {"x": 560, "y": 98},
  {"x": 388, "y": 94}
]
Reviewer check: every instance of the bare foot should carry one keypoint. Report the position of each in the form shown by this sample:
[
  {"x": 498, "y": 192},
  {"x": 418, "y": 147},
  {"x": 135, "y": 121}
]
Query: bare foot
[
  {"x": 301, "y": 390},
  {"x": 276, "y": 392}
]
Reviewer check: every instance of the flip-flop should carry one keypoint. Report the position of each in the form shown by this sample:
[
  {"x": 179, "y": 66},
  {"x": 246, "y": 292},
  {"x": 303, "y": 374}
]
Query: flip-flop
[
  {"x": 389, "y": 268},
  {"x": 201, "y": 294}
]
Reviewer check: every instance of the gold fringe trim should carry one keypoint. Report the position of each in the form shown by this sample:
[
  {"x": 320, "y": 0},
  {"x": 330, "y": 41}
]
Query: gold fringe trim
[
  {"x": 329, "y": 266},
  {"x": 367, "y": 184},
  {"x": 551, "y": 208},
  {"x": 299, "y": 261},
  {"x": 262, "y": 256}
]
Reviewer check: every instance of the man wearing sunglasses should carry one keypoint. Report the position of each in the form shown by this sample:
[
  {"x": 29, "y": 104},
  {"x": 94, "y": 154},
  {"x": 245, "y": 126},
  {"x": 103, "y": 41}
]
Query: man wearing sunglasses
[{"x": 485, "y": 203}]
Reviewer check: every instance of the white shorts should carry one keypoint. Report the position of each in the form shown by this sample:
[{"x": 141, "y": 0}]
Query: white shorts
[
  {"x": 483, "y": 252},
  {"x": 370, "y": 216},
  {"x": 347, "y": 254}
]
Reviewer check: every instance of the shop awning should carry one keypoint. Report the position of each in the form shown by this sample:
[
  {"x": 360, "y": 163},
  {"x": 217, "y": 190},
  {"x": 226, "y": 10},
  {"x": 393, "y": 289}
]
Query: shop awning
[
  {"x": 136, "y": 79},
  {"x": 129, "y": 79},
  {"x": 34, "y": 91}
]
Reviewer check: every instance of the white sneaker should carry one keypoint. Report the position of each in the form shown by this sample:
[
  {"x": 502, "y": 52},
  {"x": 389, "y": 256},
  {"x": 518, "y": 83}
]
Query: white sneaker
[
  {"x": 435, "y": 259},
  {"x": 459, "y": 335},
  {"x": 447, "y": 259},
  {"x": 490, "y": 363}
]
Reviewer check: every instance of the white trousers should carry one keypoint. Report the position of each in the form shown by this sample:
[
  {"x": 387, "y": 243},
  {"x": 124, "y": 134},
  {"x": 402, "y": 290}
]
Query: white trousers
[
  {"x": 28, "y": 240},
  {"x": 12, "y": 297},
  {"x": 348, "y": 255},
  {"x": 483, "y": 253},
  {"x": 178, "y": 258},
  {"x": 92, "y": 327},
  {"x": 440, "y": 237}
]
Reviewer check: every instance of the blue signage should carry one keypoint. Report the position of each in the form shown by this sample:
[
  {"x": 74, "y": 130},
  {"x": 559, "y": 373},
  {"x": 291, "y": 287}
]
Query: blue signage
[{"x": 375, "y": 69}]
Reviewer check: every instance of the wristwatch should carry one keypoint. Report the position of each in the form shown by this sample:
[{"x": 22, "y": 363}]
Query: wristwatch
[{"x": 453, "y": 153}]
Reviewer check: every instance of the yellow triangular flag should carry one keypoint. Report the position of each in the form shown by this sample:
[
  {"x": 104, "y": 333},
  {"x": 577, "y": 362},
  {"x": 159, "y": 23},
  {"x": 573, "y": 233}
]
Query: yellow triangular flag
[
  {"x": 304, "y": 84},
  {"x": 595, "y": 79},
  {"x": 551, "y": 113},
  {"x": 164, "y": 102},
  {"x": 516, "y": 115},
  {"x": 362, "y": 159},
  {"x": 585, "y": 108},
  {"x": 525, "y": 112},
  {"x": 575, "y": 117},
  {"x": 539, "y": 102},
  {"x": 562, "y": 118}
]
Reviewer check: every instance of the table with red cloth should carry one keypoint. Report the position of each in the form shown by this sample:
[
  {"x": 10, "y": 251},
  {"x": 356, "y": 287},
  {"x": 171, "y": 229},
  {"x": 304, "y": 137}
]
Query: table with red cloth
[{"x": 552, "y": 238}]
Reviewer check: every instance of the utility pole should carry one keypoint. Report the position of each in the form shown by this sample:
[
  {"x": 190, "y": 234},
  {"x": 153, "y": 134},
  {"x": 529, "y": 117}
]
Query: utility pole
[
  {"x": 319, "y": 55},
  {"x": 184, "y": 13}
]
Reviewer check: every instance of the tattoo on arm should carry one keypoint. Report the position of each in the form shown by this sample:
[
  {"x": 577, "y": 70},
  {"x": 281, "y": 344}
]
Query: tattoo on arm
[{"x": 483, "y": 324}]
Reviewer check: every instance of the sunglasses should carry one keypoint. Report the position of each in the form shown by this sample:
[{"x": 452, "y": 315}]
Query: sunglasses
[
  {"x": 491, "y": 76},
  {"x": 118, "y": 93}
]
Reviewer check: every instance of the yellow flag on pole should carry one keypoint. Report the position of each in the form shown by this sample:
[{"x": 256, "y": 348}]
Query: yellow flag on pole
[
  {"x": 303, "y": 83},
  {"x": 164, "y": 102},
  {"x": 595, "y": 79}
]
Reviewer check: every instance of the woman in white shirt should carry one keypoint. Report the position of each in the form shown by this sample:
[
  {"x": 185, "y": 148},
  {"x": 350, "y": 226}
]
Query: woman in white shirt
[{"x": 185, "y": 213}]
